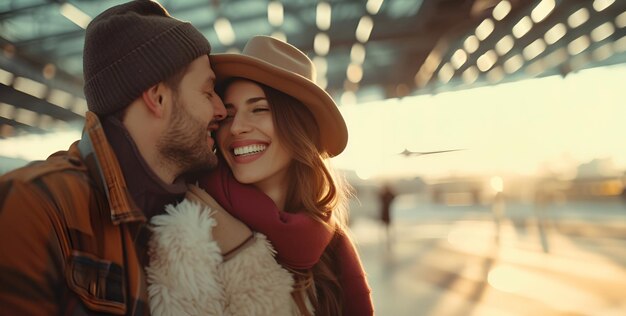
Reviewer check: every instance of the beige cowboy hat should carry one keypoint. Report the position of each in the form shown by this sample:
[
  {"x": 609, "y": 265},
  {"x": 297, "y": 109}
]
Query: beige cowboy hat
[{"x": 285, "y": 68}]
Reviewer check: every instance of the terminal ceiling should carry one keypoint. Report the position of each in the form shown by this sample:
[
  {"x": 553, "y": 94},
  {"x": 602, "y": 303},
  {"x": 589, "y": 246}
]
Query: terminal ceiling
[{"x": 365, "y": 49}]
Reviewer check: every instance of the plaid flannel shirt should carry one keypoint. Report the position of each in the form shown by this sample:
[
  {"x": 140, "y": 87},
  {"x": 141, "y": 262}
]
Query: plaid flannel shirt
[{"x": 68, "y": 228}]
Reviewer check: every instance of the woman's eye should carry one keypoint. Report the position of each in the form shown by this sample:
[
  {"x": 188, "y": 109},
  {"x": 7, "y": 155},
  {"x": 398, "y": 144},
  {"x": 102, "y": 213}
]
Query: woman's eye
[{"x": 258, "y": 110}]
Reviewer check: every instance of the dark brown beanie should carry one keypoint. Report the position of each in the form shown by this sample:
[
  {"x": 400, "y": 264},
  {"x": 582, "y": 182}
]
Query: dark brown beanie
[{"x": 131, "y": 47}]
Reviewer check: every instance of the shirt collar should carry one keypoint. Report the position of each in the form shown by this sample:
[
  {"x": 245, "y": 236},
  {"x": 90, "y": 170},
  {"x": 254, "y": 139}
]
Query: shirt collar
[{"x": 104, "y": 166}]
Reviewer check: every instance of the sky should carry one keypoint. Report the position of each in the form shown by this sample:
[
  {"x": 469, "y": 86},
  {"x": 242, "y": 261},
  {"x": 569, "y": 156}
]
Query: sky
[{"x": 529, "y": 128}]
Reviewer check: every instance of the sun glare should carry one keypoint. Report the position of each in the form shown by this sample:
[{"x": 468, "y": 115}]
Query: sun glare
[{"x": 519, "y": 128}]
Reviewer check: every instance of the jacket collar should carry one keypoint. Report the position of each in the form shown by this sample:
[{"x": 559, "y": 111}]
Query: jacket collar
[{"x": 103, "y": 165}]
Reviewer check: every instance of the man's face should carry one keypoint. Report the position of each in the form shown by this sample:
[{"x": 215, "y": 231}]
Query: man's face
[{"x": 187, "y": 142}]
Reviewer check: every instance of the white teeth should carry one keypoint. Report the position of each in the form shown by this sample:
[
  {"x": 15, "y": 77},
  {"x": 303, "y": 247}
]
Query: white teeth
[{"x": 250, "y": 149}]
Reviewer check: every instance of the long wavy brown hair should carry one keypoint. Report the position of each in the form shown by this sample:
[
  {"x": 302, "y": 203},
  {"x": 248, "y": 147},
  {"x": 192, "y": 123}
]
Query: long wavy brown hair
[{"x": 313, "y": 188}]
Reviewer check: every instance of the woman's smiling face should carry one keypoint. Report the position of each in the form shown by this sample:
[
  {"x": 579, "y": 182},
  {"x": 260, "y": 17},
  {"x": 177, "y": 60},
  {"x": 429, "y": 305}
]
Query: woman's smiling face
[{"x": 248, "y": 139}]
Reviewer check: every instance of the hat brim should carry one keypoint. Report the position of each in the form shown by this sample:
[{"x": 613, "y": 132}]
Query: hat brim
[{"x": 333, "y": 130}]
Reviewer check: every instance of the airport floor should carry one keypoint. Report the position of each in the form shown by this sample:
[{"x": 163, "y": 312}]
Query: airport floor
[{"x": 457, "y": 261}]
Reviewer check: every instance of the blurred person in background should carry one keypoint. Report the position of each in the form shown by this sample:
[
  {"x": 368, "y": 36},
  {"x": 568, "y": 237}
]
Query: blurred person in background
[
  {"x": 279, "y": 132},
  {"x": 386, "y": 196},
  {"x": 73, "y": 228}
]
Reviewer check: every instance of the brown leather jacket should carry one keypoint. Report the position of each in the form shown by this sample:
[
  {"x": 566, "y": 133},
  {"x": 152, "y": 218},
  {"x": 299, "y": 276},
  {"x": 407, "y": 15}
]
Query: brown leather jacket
[{"x": 67, "y": 232}]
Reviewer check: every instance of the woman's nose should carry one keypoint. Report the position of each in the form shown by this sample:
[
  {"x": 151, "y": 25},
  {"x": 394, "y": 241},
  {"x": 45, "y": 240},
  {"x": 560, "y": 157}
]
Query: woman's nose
[{"x": 239, "y": 125}]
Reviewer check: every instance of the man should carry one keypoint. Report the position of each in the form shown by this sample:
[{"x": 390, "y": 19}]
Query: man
[
  {"x": 386, "y": 196},
  {"x": 72, "y": 228}
]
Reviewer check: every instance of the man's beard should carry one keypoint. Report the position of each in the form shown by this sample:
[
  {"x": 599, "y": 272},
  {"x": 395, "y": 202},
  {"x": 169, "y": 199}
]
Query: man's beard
[{"x": 184, "y": 143}]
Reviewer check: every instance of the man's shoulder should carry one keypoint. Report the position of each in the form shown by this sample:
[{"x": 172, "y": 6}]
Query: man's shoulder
[{"x": 61, "y": 164}]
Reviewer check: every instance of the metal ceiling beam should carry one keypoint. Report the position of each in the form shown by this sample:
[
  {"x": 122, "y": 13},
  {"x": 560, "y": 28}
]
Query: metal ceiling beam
[
  {"x": 23, "y": 10},
  {"x": 50, "y": 37},
  {"x": 26, "y": 101},
  {"x": 20, "y": 126},
  {"x": 559, "y": 15},
  {"x": 289, "y": 9},
  {"x": 25, "y": 66}
]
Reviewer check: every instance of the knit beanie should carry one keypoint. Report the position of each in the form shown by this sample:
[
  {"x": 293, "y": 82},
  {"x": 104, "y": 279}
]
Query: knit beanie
[{"x": 131, "y": 47}]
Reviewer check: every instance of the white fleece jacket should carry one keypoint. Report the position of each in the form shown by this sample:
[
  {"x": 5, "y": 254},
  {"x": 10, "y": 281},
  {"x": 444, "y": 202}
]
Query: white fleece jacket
[{"x": 187, "y": 274}]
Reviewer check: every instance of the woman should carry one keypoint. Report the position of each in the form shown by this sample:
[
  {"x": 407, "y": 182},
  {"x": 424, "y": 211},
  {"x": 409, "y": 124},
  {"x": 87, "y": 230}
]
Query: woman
[{"x": 280, "y": 130}]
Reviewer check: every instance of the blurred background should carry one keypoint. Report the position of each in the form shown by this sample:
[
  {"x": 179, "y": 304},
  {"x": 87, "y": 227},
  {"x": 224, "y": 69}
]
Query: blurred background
[{"x": 485, "y": 145}]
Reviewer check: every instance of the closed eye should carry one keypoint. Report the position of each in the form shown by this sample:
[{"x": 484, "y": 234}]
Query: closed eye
[{"x": 259, "y": 110}]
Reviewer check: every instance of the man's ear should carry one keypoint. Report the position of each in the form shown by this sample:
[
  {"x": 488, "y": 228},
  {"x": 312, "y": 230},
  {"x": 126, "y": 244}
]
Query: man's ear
[{"x": 154, "y": 99}]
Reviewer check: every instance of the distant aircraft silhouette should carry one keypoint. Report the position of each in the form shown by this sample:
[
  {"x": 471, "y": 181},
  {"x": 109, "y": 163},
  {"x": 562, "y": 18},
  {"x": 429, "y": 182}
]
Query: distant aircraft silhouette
[{"x": 408, "y": 153}]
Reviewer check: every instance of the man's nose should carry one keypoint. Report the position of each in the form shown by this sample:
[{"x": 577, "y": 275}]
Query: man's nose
[{"x": 219, "y": 109}]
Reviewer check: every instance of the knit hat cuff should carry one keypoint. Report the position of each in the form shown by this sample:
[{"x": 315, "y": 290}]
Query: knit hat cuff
[{"x": 117, "y": 85}]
